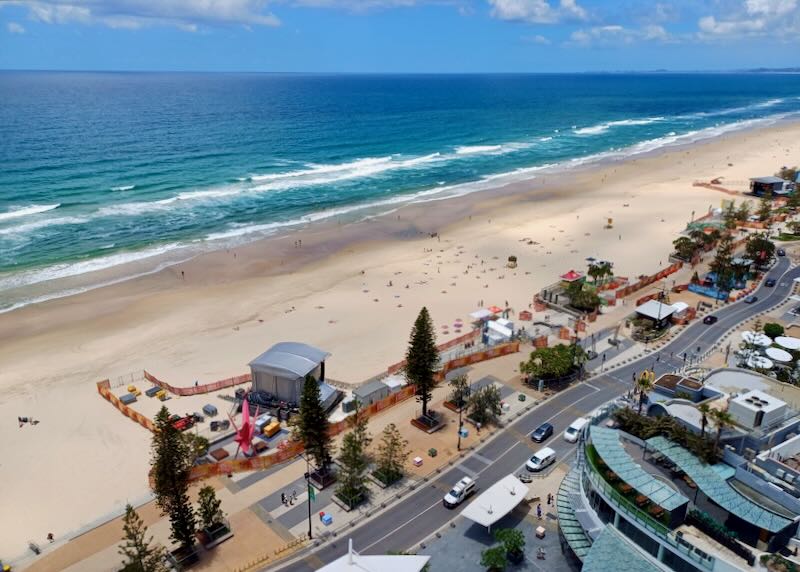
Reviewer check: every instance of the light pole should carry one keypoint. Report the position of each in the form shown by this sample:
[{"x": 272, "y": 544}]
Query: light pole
[
  {"x": 460, "y": 423},
  {"x": 309, "y": 492}
]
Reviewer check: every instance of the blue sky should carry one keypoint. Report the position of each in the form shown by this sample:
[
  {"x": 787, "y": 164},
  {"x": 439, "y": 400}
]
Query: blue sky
[{"x": 398, "y": 35}]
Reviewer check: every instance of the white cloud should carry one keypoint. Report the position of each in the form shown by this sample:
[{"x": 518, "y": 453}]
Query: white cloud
[
  {"x": 537, "y": 39},
  {"x": 779, "y": 19},
  {"x": 15, "y": 28},
  {"x": 537, "y": 11},
  {"x": 183, "y": 14},
  {"x": 616, "y": 34}
]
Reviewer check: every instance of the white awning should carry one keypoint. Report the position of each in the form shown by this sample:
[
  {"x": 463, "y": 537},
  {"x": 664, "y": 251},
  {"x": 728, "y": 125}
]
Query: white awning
[
  {"x": 496, "y": 501},
  {"x": 655, "y": 310},
  {"x": 788, "y": 342},
  {"x": 680, "y": 307},
  {"x": 778, "y": 354},
  {"x": 481, "y": 314},
  {"x": 355, "y": 562},
  {"x": 500, "y": 329}
]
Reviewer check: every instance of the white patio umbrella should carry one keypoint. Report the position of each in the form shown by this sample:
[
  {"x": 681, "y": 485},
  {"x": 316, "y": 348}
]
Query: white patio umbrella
[
  {"x": 759, "y": 362},
  {"x": 752, "y": 337},
  {"x": 788, "y": 342},
  {"x": 777, "y": 354}
]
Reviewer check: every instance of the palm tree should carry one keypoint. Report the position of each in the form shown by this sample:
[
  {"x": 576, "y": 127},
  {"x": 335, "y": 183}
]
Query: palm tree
[
  {"x": 644, "y": 384},
  {"x": 704, "y": 410},
  {"x": 723, "y": 419}
]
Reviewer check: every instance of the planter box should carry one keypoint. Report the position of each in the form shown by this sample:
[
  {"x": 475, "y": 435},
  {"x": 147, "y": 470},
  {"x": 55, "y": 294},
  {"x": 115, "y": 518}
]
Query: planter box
[
  {"x": 343, "y": 504},
  {"x": 377, "y": 480},
  {"x": 211, "y": 537},
  {"x": 183, "y": 558}
]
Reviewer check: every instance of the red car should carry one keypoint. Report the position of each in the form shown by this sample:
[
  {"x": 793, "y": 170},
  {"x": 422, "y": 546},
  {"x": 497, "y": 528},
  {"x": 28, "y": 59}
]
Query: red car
[{"x": 183, "y": 423}]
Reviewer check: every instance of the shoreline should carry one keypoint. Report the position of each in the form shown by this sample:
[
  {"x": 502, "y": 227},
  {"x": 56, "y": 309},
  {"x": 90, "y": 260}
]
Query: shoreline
[
  {"x": 139, "y": 270},
  {"x": 172, "y": 255},
  {"x": 229, "y": 309}
]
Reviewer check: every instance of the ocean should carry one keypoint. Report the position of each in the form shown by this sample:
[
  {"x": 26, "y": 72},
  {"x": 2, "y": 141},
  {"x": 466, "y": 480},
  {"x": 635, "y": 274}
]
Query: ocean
[{"x": 138, "y": 170}]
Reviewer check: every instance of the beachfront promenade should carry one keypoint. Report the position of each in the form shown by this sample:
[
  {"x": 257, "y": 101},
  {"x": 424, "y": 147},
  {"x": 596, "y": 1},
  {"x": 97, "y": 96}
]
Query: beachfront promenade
[{"x": 420, "y": 515}]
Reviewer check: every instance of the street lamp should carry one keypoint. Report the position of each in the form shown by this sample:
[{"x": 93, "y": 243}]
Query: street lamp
[{"x": 309, "y": 492}]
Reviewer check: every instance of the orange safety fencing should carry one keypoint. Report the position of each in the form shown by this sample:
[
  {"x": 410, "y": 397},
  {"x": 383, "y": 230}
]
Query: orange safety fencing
[
  {"x": 468, "y": 337},
  {"x": 497, "y": 351},
  {"x": 644, "y": 282},
  {"x": 104, "y": 389},
  {"x": 198, "y": 389}
]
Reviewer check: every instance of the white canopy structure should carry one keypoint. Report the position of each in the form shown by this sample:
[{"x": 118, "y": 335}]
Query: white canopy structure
[
  {"x": 481, "y": 314},
  {"x": 759, "y": 362},
  {"x": 788, "y": 342},
  {"x": 777, "y": 354},
  {"x": 752, "y": 337},
  {"x": 655, "y": 310},
  {"x": 496, "y": 501},
  {"x": 355, "y": 562}
]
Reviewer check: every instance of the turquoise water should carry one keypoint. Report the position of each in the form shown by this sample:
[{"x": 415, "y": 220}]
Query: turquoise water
[{"x": 100, "y": 169}]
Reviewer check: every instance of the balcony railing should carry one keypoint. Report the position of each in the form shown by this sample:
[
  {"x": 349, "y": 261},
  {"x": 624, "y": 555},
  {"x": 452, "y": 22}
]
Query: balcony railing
[{"x": 634, "y": 513}]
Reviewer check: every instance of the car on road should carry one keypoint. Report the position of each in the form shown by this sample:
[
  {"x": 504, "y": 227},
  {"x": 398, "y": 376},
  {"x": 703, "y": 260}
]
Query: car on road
[
  {"x": 769, "y": 282},
  {"x": 780, "y": 252},
  {"x": 751, "y": 300},
  {"x": 572, "y": 432},
  {"x": 710, "y": 320},
  {"x": 462, "y": 489},
  {"x": 542, "y": 432},
  {"x": 541, "y": 460}
]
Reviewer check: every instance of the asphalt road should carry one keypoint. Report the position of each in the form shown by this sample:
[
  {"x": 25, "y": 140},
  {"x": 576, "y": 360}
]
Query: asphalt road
[{"x": 419, "y": 515}]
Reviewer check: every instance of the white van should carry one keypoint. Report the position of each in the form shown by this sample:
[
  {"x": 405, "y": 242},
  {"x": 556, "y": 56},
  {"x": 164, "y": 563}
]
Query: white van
[
  {"x": 541, "y": 460},
  {"x": 459, "y": 492},
  {"x": 573, "y": 431}
]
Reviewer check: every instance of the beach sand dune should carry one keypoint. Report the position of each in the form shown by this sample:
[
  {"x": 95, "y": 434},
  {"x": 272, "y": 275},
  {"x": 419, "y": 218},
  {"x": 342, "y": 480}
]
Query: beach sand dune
[{"x": 357, "y": 300}]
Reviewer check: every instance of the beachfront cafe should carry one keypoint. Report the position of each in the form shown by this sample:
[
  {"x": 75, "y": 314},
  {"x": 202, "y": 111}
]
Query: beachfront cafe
[{"x": 774, "y": 186}]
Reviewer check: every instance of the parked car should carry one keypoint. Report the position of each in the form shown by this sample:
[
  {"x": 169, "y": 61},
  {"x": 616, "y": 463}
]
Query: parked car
[
  {"x": 769, "y": 282},
  {"x": 781, "y": 252},
  {"x": 462, "y": 489},
  {"x": 541, "y": 460},
  {"x": 710, "y": 320},
  {"x": 542, "y": 432},
  {"x": 751, "y": 300}
]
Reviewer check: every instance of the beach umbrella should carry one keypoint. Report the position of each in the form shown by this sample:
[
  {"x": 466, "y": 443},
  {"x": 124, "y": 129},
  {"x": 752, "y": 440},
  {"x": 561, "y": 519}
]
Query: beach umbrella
[
  {"x": 777, "y": 354},
  {"x": 759, "y": 362},
  {"x": 788, "y": 342},
  {"x": 495, "y": 309},
  {"x": 757, "y": 339}
]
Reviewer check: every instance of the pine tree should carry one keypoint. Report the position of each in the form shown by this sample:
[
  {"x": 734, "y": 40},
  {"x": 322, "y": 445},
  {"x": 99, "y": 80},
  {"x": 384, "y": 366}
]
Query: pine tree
[
  {"x": 209, "y": 511},
  {"x": 312, "y": 426},
  {"x": 392, "y": 454},
  {"x": 722, "y": 263},
  {"x": 353, "y": 465},
  {"x": 139, "y": 555},
  {"x": 422, "y": 358},
  {"x": 172, "y": 460}
]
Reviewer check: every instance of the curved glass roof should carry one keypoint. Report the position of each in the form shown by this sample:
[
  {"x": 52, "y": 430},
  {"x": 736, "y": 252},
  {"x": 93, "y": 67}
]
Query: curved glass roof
[
  {"x": 715, "y": 487},
  {"x": 611, "y": 551},
  {"x": 609, "y": 447}
]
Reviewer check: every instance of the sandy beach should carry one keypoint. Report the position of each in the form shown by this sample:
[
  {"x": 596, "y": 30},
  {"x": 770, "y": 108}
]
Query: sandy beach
[{"x": 351, "y": 289}]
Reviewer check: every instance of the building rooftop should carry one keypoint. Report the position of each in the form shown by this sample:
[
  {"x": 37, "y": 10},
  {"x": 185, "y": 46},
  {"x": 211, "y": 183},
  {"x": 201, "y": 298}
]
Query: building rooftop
[
  {"x": 611, "y": 551},
  {"x": 758, "y": 401},
  {"x": 369, "y": 388},
  {"x": 290, "y": 358},
  {"x": 716, "y": 488},
  {"x": 655, "y": 310},
  {"x": 496, "y": 501},
  {"x": 609, "y": 447},
  {"x": 770, "y": 180}
]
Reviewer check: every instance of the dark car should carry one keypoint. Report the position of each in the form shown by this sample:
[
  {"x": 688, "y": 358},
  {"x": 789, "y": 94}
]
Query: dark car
[
  {"x": 542, "y": 432},
  {"x": 769, "y": 282},
  {"x": 751, "y": 300},
  {"x": 781, "y": 252},
  {"x": 710, "y": 320}
]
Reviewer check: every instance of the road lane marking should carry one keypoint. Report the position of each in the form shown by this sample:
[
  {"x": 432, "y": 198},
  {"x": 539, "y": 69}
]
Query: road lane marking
[
  {"x": 482, "y": 459},
  {"x": 437, "y": 503}
]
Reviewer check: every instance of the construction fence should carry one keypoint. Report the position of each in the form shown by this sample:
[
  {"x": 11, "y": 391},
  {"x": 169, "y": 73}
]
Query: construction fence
[
  {"x": 104, "y": 389},
  {"x": 647, "y": 281},
  {"x": 198, "y": 389}
]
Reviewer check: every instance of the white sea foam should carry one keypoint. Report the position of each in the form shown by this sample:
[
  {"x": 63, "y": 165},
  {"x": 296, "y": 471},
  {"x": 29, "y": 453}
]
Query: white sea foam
[
  {"x": 25, "y": 228},
  {"x": 66, "y": 270},
  {"x": 473, "y": 149},
  {"x": 124, "y": 188},
  {"x": 603, "y": 127},
  {"x": 733, "y": 110},
  {"x": 27, "y": 211}
]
